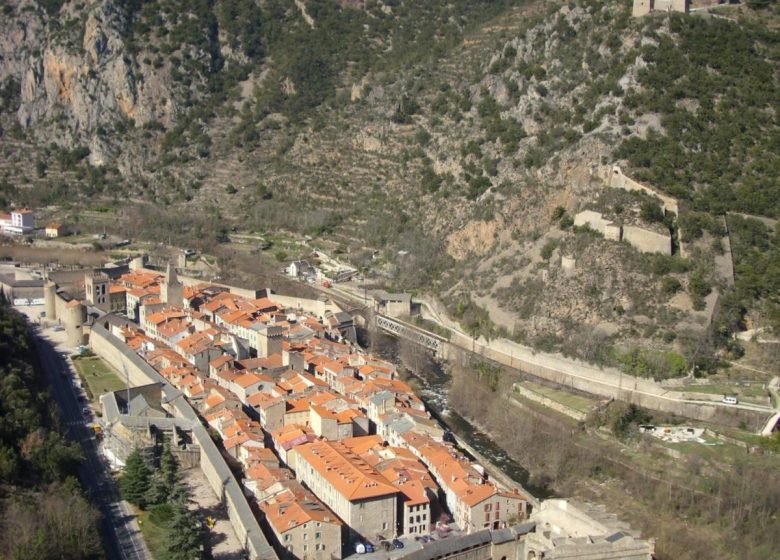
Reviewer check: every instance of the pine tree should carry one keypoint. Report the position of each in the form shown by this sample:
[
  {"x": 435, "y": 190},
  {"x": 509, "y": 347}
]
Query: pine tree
[
  {"x": 158, "y": 491},
  {"x": 169, "y": 470},
  {"x": 136, "y": 479},
  {"x": 185, "y": 537}
]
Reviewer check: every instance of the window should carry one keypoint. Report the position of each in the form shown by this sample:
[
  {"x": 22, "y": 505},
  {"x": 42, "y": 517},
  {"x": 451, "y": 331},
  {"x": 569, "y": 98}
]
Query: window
[
  {"x": 488, "y": 507},
  {"x": 305, "y": 548},
  {"x": 411, "y": 519},
  {"x": 384, "y": 526},
  {"x": 305, "y": 536},
  {"x": 317, "y": 535},
  {"x": 287, "y": 538}
]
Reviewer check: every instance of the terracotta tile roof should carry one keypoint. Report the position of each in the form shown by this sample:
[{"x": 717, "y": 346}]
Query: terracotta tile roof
[
  {"x": 262, "y": 399},
  {"x": 222, "y": 360},
  {"x": 291, "y": 435},
  {"x": 286, "y": 511},
  {"x": 116, "y": 289},
  {"x": 247, "y": 379},
  {"x": 195, "y": 343},
  {"x": 347, "y": 472}
]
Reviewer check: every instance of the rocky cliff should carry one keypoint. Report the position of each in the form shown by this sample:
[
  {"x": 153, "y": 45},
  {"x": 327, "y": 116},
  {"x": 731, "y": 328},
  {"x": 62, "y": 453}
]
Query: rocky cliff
[{"x": 466, "y": 136}]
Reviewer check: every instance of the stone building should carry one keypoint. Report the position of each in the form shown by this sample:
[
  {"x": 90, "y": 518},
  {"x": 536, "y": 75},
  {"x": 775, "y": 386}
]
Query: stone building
[
  {"x": 644, "y": 7},
  {"x": 354, "y": 490}
]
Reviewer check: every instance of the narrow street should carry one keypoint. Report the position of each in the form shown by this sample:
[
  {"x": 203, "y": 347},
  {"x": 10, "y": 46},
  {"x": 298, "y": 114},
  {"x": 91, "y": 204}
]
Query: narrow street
[{"x": 120, "y": 532}]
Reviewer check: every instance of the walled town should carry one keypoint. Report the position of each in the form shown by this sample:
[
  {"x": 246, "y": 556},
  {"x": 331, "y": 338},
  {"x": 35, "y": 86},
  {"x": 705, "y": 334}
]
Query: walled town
[{"x": 334, "y": 452}]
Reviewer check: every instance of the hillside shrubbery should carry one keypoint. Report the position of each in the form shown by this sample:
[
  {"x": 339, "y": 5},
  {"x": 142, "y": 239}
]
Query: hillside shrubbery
[{"x": 42, "y": 512}]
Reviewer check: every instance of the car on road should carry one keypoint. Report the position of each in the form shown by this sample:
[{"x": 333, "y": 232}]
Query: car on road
[
  {"x": 730, "y": 399},
  {"x": 58, "y": 328},
  {"x": 86, "y": 412},
  {"x": 397, "y": 543}
]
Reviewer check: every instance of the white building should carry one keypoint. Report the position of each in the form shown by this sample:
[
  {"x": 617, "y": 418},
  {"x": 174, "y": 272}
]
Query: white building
[{"x": 18, "y": 222}]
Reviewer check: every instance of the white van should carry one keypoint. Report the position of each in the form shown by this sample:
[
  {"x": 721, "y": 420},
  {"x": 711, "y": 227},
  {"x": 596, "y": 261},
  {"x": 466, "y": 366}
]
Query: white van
[{"x": 729, "y": 399}]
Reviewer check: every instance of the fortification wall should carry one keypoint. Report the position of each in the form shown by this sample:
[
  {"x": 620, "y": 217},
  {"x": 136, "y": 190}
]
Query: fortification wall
[
  {"x": 607, "y": 382},
  {"x": 316, "y": 306},
  {"x": 619, "y": 181},
  {"x": 648, "y": 241},
  {"x": 221, "y": 479}
]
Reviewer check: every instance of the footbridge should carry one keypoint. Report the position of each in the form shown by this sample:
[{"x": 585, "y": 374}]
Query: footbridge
[{"x": 410, "y": 332}]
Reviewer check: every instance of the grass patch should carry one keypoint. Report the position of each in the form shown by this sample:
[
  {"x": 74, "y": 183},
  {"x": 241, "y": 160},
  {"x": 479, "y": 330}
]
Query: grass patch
[
  {"x": 98, "y": 377},
  {"x": 542, "y": 410},
  {"x": 577, "y": 402},
  {"x": 155, "y": 531}
]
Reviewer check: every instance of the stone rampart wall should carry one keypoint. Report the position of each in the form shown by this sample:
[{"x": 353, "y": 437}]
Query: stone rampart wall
[
  {"x": 619, "y": 181},
  {"x": 607, "y": 382},
  {"x": 221, "y": 479},
  {"x": 648, "y": 241}
]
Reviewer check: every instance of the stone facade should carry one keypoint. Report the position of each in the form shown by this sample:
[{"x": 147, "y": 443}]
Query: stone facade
[
  {"x": 648, "y": 241},
  {"x": 359, "y": 495},
  {"x": 643, "y": 239},
  {"x": 644, "y": 7}
]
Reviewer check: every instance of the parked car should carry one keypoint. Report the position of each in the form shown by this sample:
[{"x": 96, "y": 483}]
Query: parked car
[
  {"x": 730, "y": 399},
  {"x": 397, "y": 543}
]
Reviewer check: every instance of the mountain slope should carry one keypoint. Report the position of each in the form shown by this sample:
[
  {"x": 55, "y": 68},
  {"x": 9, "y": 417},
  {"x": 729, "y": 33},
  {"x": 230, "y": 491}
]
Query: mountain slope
[{"x": 467, "y": 135}]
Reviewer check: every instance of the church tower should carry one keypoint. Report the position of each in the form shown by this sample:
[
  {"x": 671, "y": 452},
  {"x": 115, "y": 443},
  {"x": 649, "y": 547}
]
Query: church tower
[{"x": 172, "y": 291}]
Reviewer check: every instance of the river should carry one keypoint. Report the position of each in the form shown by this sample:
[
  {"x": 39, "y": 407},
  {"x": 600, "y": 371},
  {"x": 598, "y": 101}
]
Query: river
[{"x": 434, "y": 391}]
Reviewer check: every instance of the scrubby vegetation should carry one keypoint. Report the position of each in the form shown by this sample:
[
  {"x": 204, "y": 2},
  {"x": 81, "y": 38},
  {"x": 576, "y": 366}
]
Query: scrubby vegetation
[
  {"x": 728, "y": 499},
  {"x": 43, "y": 513}
]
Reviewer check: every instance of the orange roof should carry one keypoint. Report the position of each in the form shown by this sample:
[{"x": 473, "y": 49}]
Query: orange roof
[
  {"x": 288, "y": 510},
  {"x": 361, "y": 444},
  {"x": 195, "y": 343},
  {"x": 291, "y": 435},
  {"x": 247, "y": 379},
  {"x": 214, "y": 399},
  {"x": 116, "y": 288},
  {"x": 220, "y": 361},
  {"x": 348, "y": 473},
  {"x": 261, "y": 399}
]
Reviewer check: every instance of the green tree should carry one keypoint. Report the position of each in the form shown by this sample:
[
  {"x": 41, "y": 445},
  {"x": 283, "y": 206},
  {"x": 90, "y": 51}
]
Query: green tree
[
  {"x": 185, "y": 537},
  {"x": 136, "y": 479}
]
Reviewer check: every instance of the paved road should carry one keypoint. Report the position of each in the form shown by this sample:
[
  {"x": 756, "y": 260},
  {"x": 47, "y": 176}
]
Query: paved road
[{"x": 121, "y": 536}]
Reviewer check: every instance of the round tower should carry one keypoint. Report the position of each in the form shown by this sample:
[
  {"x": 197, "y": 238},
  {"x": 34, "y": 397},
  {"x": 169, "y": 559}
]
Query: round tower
[
  {"x": 74, "y": 317},
  {"x": 138, "y": 263},
  {"x": 49, "y": 300}
]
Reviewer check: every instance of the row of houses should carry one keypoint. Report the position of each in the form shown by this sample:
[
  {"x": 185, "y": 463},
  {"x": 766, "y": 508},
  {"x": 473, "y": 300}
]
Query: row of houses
[{"x": 328, "y": 437}]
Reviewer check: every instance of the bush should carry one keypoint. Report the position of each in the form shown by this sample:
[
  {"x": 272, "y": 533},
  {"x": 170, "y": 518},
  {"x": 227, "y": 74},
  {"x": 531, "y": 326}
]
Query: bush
[
  {"x": 548, "y": 249},
  {"x": 670, "y": 285}
]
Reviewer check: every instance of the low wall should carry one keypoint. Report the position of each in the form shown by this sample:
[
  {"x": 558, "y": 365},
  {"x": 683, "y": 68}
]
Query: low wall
[
  {"x": 221, "y": 479},
  {"x": 548, "y": 402}
]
